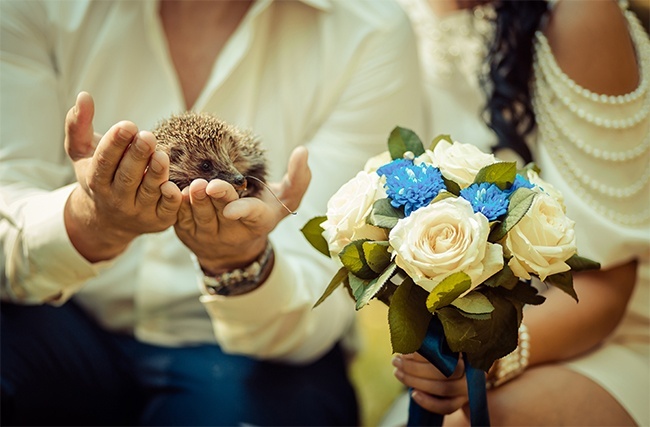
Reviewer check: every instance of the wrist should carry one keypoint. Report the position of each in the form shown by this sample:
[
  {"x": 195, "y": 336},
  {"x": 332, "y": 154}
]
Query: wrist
[
  {"x": 93, "y": 240},
  {"x": 241, "y": 280}
]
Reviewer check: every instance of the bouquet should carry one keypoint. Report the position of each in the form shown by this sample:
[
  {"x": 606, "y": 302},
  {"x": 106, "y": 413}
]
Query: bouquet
[{"x": 449, "y": 238}]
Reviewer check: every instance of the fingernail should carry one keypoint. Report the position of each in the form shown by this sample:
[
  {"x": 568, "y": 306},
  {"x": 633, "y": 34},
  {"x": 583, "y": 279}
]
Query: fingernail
[
  {"x": 141, "y": 144},
  {"x": 201, "y": 194},
  {"x": 155, "y": 166},
  {"x": 123, "y": 134},
  {"x": 397, "y": 361},
  {"x": 398, "y": 374}
]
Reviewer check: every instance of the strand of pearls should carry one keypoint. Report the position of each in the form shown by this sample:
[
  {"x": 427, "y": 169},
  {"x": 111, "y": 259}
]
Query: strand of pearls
[
  {"x": 554, "y": 136},
  {"x": 558, "y": 79},
  {"x": 552, "y": 84},
  {"x": 546, "y": 96},
  {"x": 548, "y": 61}
]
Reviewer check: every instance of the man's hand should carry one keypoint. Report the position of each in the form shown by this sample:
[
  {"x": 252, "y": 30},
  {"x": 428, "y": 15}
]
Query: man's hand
[
  {"x": 123, "y": 185},
  {"x": 226, "y": 232}
]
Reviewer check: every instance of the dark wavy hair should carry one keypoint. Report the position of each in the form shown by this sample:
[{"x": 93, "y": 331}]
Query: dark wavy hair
[{"x": 508, "y": 111}]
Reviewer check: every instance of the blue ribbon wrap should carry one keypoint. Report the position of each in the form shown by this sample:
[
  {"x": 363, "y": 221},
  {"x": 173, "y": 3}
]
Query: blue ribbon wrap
[{"x": 435, "y": 349}]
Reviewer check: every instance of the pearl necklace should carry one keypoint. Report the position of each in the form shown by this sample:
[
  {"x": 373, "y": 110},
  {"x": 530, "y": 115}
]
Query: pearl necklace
[{"x": 549, "y": 84}]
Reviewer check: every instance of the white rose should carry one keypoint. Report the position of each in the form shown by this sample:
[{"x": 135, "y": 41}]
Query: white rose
[
  {"x": 347, "y": 211},
  {"x": 377, "y": 161},
  {"x": 534, "y": 178},
  {"x": 542, "y": 241},
  {"x": 459, "y": 162},
  {"x": 444, "y": 238}
]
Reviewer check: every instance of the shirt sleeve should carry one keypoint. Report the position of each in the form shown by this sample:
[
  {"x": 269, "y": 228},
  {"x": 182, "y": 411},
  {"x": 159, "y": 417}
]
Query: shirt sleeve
[
  {"x": 39, "y": 263},
  {"x": 277, "y": 320}
]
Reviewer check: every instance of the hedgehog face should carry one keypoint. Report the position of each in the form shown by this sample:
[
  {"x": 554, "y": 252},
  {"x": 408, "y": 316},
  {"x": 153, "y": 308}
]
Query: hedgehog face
[{"x": 201, "y": 146}]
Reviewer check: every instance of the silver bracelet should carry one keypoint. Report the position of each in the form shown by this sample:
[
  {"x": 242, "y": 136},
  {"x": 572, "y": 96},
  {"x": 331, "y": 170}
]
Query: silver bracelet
[{"x": 240, "y": 280}]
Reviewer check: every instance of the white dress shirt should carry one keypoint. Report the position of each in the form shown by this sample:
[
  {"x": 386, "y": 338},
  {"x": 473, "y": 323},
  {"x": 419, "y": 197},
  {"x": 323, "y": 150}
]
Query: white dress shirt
[{"x": 334, "y": 76}]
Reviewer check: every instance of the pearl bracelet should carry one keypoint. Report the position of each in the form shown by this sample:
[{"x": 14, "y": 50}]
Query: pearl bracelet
[{"x": 511, "y": 365}]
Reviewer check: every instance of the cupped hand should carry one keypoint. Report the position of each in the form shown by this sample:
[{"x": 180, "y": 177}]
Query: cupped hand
[
  {"x": 123, "y": 184},
  {"x": 227, "y": 232},
  {"x": 431, "y": 389}
]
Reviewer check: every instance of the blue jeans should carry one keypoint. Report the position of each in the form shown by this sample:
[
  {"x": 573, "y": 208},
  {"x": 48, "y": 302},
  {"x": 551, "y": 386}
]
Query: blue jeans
[{"x": 60, "y": 368}]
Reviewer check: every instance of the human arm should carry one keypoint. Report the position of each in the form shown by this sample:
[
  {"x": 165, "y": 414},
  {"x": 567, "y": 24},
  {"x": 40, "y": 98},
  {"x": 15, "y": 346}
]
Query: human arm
[
  {"x": 41, "y": 263},
  {"x": 347, "y": 121}
]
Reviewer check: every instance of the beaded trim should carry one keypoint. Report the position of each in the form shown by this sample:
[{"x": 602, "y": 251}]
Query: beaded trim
[{"x": 551, "y": 84}]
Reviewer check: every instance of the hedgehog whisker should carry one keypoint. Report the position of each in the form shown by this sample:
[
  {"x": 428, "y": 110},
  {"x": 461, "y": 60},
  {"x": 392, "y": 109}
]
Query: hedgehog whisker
[{"x": 272, "y": 193}]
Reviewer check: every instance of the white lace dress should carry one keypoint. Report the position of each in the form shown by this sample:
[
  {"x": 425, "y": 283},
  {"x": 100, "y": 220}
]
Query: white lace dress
[{"x": 595, "y": 149}]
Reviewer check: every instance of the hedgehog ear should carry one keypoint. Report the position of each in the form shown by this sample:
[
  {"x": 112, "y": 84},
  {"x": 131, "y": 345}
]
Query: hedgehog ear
[{"x": 175, "y": 154}]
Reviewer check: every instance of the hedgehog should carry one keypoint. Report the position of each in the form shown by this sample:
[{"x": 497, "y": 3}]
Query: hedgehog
[{"x": 200, "y": 145}]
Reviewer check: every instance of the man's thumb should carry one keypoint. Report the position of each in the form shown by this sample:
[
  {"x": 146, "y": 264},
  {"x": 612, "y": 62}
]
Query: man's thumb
[{"x": 79, "y": 134}]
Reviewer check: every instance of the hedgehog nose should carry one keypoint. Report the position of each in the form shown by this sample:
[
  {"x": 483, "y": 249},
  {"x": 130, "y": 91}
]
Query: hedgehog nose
[{"x": 239, "y": 180}]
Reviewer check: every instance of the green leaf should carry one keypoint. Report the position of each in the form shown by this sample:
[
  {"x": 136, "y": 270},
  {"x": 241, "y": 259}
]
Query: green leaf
[
  {"x": 386, "y": 292},
  {"x": 448, "y": 290},
  {"x": 402, "y": 140},
  {"x": 578, "y": 263},
  {"x": 357, "y": 286},
  {"x": 372, "y": 288},
  {"x": 313, "y": 232},
  {"x": 354, "y": 260},
  {"x": 442, "y": 196},
  {"x": 525, "y": 293},
  {"x": 377, "y": 255},
  {"x": 563, "y": 281},
  {"x": 460, "y": 331},
  {"x": 474, "y": 303},
  {"x": 485, "y": 340},
  {"x": 529, "y": 166},
  {"x": 501, "y": 174},
  {"x": 338, "y": 278},
  {"x": 439, "y": 138},
  {"x": 384, "y": 215},
  {"x": 451, "y": 186},
  {"x": 505, "y": 277},
  {"x": 520, "y": 202},
  {"x": 408, "y": 317}
]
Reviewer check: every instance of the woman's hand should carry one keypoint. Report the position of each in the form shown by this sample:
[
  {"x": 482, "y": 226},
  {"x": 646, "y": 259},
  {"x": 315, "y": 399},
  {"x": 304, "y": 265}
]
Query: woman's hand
[
  {"x": 227, "y": 232},
  {"x": 431, "y": 389}
]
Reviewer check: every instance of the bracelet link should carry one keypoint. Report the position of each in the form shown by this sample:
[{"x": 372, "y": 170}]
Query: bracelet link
[{"x": 240, "y": 280}]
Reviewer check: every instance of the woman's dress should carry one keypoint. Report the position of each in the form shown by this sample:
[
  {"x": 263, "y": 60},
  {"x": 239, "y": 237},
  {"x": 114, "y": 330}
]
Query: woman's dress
[{"x": 593, "y": 148}]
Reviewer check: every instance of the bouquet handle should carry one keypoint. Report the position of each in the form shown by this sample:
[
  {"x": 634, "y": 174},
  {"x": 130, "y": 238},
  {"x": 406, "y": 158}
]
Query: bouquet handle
[{"x": 434, "y": 348}]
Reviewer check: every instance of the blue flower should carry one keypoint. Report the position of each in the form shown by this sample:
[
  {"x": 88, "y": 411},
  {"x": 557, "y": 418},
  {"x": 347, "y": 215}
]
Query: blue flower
[
  {"x": 389, "y": 168},
  {"x": 410, "y": 185},
  {"x": 487, "y": 199},
  {"x": 520, "y": 182}
]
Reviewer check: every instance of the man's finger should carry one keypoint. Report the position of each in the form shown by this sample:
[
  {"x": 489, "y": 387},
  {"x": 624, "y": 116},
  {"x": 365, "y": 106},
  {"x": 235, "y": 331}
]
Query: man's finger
[
  {"x": 203, "y": 211},
  {"x": 79, "y": 135},
  {"x": 170, "y": 203},
  {"x": 156, "y": 175},
  {"x": 109, "y": 152},
  {"x": 135, "y": 161},
  {"x": 296, "y": 180}
]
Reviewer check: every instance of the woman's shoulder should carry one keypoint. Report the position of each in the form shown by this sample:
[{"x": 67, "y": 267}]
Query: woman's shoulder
[{"x": 592, "y": 43}]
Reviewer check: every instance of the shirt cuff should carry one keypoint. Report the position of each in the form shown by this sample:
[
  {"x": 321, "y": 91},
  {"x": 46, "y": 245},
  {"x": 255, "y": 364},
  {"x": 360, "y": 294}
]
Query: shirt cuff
[{"x": 51, "y": 268}]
